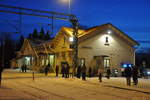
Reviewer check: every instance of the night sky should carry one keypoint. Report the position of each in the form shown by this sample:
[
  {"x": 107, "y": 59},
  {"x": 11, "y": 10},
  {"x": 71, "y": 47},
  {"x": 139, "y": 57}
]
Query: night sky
[{"x": 131, "y": 16}]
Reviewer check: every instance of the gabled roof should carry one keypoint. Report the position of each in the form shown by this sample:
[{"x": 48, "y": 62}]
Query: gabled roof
[
  {"x": 28, "y": 42},
  {"x": 64, "y": 31},
  {"x": 83, "y": 34}
]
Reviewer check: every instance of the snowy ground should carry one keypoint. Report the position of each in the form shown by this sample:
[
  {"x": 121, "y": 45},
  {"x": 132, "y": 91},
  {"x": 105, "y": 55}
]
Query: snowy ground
[{"x": 20, "y": 86}]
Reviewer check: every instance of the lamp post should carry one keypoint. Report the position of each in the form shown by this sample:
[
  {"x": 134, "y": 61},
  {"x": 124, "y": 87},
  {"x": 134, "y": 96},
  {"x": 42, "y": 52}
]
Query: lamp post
[
  {"x": 69, "y": 4},
  {"x": 74, "y": 39}
]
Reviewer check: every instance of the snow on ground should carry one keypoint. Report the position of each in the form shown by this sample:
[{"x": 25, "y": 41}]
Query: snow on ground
[{"x": 20, "y": 86}]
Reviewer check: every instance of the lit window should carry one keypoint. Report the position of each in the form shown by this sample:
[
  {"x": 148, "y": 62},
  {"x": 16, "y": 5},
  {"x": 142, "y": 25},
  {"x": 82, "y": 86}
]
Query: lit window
[{"x": 106, "y": 62}]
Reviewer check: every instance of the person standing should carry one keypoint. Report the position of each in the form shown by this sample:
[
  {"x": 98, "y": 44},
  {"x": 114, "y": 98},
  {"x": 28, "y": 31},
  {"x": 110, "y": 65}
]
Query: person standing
[
  {"x": 47, "y": 69},
  {"x": 78, "y": 71},
  {"x": 25, "y": 68},
  {"x": 108, "y": 73},
  {"x": 63, "y": 70},
  {"x": 90, "y": 71},
  {"x": 71, "y": 72},
  {"x": 1, "y": 70},
  {"x": 128, "y": 74},
  {"x": 83, "y": 72},
  {"x": 22, "y": 68},
  {"x": 100, "y": 74},
  {"x": 135, "y": 75},
  {"x": 67, "y": 71},
  {"x": 57, "y": 70}
]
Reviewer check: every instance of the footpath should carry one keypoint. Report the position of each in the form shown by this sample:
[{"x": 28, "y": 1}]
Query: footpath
[{"x": 10, "y": 94}]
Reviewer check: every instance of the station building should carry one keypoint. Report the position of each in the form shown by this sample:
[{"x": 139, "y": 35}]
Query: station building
[{"x": 103, "y": 46}]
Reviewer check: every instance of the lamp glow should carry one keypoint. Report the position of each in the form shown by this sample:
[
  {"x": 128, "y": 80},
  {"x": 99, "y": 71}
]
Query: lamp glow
[
  {"x": 109, "y": 32},
  {"x": 148, "y": 72},
  {"x": 69, "y": 4},
  {"x": 71, "y": 39}
]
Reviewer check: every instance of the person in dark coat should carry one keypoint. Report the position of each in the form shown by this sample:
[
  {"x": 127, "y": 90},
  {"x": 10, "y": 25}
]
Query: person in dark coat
[
  {"x": 100, "y": 74},
  {"x": 90, "y": 71},
  {"x": 135, "y": 75},
  {"x": 67, "y": 71},
  {"x": 47, "y": 69},
  {"x": 63, "y": 70},
  {"x": 78, "y": 71},
  {"x": 83, "y": 72},
  {"x": 108, "y": 73},
  {"x": 1, "y": 70},
  {"x": 57, "y": 70},
  {"x": 128, "y": 74},
  {"x": 22, "y": 68},
  {"x": 25, "y": 68}
]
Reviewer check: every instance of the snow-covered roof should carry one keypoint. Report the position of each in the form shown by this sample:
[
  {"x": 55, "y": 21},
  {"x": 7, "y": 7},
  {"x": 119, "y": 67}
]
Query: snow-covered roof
[{"x": 82, "y": 34}]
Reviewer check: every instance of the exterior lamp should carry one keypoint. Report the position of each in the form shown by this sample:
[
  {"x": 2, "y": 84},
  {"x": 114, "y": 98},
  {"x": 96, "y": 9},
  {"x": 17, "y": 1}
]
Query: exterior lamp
[
  {"x": 71, "y": 39},
  {"x": 69, "y": 4},
  {"x": 72, "y": 42},
  {"x": 109, "y": 32}
]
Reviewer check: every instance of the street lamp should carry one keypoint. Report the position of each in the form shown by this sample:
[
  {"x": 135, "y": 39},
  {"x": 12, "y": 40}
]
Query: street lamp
[{"x": 69, "y": 4}]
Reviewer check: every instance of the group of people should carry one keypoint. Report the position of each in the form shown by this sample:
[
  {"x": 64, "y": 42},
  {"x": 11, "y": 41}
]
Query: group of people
[
  {"x": 81, "y": 72},
  {"x": 131, "y": 72},
  {"x": 65, "y": 68},
  {"x": 24, "y": 68}
]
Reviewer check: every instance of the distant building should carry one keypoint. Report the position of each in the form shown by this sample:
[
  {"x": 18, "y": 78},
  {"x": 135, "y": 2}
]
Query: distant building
[{"x": 102, "y": 46}]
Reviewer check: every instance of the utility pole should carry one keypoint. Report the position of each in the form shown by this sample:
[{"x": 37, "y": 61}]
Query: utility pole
[
  {"x": 50, "y": 15},
  {"x": 74, "y": 22}
]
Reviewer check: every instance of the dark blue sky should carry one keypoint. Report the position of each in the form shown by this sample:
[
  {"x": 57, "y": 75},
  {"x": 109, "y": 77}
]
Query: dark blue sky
[{"x": 131, "y": 16}]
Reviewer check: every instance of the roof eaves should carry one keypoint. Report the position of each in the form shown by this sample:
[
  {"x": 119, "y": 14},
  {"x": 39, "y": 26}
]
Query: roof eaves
[{"x": 124, "y": 34}]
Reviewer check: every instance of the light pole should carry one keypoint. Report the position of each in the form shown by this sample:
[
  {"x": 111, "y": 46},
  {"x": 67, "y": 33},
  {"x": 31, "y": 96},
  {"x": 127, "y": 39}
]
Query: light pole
[
  {"x": 74, "y": 39},
  {"x": 69, "y": 5}
]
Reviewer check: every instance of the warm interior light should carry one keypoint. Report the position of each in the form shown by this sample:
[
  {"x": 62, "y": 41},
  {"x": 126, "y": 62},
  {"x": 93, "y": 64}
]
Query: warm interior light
[{"x": 27, "y": 58}]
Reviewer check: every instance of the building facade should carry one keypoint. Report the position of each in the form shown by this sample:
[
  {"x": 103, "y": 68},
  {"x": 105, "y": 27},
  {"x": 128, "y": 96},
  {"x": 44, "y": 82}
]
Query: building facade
[{"x": 102, "y": 47}]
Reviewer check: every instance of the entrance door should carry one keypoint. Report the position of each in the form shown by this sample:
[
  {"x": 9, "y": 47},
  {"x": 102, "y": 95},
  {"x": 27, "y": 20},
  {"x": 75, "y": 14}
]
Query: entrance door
[
  {"x": 102, "y": 62},
  {"x": 98, "y": 64}
]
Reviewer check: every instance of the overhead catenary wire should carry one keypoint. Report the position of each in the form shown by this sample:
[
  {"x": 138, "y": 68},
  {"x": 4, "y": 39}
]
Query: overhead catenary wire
[
  {"x": 50, "y": 15},
  {"x": 30, "y": 14}
]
